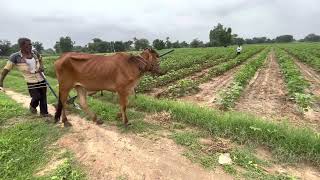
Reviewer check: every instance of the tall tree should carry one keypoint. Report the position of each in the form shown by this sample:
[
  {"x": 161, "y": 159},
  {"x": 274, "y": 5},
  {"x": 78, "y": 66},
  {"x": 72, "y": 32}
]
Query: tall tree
[
  {"x": 220, "y": 36},
  {"x": 184, "y": 44},
  {"x": 284, "y": 38},
  {"x": 158, "y": 44},
  {"x": 65, "y": 44},
  {"x": 127, "y": 45},
  {"x": 140, "y": 43},
  {"x": 168, "y": 43},
  {"x": 312, "y": 38},
  {"x": 196, "y": 43},
  {"x": 100, "y": 46},
  {"x": 38, "y": 46},
  {"x": 119, "y": 46},
  {"x": 176, "y": 44},
  {"x": 5, "y": 48}
]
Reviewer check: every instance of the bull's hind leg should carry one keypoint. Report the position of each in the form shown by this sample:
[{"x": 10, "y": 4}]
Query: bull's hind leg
[
  {"x": 63, "y": 98},
  {"x": 123, "y": 97},
  {"x": 82, "y": 94}
]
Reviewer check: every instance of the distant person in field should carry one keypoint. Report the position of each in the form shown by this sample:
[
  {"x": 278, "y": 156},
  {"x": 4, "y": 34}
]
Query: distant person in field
[
  {"x": 29, "y": 62},
  {"x": 239, "y": 49}
]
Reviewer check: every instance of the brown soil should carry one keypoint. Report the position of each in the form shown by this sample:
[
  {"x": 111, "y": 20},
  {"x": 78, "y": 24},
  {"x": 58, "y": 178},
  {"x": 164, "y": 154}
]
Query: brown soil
[
  {"x": 209, "y": 90},
  {"x": 314, "y": 79},
  {"x": 301, "y": 170},
  {"x": 266, "y": 96},
  {"x": 107, "y": 154}
]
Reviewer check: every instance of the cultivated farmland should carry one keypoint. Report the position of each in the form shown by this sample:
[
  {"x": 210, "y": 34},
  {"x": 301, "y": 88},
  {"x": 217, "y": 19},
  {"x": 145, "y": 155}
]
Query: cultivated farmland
[{"x": 262, "y": 107}]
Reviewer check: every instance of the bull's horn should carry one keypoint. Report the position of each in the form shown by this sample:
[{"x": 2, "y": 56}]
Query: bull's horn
[{"x": 166, "y": 53}]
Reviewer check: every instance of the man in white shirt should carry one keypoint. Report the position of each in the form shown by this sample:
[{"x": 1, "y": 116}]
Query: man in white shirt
[
  {"x": 29, "y": 62},
  {"x": 239, "y": 48}
]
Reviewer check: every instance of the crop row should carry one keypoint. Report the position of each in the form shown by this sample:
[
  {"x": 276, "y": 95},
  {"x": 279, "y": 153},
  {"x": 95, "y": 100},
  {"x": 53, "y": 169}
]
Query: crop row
[
  {"x": 229, "y": 96},
  {"x": 295, "y": 82},
  {"x": 187, "y": 87},
  {"x": 307, "y": 53}
]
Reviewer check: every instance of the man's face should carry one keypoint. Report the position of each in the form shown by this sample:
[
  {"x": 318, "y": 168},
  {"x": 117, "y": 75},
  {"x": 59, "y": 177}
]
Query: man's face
[{"x": 27, "y": 46}]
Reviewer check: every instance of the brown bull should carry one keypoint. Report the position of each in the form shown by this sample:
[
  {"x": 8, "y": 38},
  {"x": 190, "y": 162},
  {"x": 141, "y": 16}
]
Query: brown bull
[{"x": 86, "y": 72}]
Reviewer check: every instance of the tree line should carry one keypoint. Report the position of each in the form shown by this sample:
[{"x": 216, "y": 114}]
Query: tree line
[{"x": 218, "y": 36}]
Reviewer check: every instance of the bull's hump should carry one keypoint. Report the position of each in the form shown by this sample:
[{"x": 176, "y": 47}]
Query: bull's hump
[{"x": 81, "y": 56}]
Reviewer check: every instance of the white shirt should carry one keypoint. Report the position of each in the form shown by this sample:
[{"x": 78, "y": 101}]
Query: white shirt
[
  {"x": 239, "y": 49},
  {"x": 31, "y": 65}
]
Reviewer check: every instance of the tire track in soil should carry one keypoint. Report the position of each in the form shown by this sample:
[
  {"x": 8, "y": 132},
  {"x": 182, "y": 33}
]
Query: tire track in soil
[
  {"x": 266, "y": 96},
  {"x": 107, "y": 153},
  {"x": 314, "y": 79}
]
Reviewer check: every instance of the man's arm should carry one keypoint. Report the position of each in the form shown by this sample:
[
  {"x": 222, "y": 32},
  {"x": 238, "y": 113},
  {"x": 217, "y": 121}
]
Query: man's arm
[
  {"x": 3, "y": 75},
  {"x": 5, "y": 71}
]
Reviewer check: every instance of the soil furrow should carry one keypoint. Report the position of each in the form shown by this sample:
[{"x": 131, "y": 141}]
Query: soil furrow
[
  {"x": 209, "y": 90},
  {"x": 267, "y": 96},
  {"x": 314, "y": 79}
]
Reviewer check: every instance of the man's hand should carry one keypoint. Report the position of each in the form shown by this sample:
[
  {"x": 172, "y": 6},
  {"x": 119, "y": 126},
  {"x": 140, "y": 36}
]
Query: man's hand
[
  {"x": 39, "y": 70},
  {"x": 2, "y": 89}
]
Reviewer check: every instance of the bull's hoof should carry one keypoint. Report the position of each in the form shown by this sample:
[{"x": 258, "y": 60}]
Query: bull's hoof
[
  {"x": 119, "y": 116},
  {"x": 127, "y": 124},
  {"x": 99, "y": 121},
  {"x": 56, "y": 121},
  {"x": 67, "y": 124}
]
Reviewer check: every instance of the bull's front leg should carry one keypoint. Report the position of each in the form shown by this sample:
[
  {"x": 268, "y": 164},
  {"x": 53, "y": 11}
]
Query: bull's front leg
[{"x": 123, "y": 97}]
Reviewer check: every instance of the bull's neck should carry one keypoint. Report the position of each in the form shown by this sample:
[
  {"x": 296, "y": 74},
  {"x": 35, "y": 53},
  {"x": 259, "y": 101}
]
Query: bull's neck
[{"x": 144, "y": 55}]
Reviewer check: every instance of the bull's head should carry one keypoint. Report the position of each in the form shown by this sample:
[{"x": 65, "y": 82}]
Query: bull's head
[{"x": 153, "y": 60}]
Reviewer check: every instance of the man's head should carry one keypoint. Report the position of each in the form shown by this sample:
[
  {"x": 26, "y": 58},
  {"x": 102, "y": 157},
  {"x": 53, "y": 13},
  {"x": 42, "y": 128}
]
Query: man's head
[{"x": 25, "y": 45}]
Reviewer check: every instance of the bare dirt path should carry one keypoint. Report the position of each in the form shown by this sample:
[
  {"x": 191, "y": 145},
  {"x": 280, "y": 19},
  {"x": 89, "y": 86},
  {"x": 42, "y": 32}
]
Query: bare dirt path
[
  {"x": 108, "y": 154},
  {"x": 266, "y": 96}
]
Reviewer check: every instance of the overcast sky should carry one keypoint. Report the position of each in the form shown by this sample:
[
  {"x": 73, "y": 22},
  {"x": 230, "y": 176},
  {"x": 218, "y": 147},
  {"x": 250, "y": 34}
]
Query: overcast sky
[{"x": 83, "y": 20}]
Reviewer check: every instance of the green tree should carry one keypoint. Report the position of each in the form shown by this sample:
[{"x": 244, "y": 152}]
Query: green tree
[
  {"x": 196, "y": 43},
  {"x": 158, "y": 44},
  {"x": 168, "y": 43},
  {"x": 140, "y": 44},
  {"x": 38, "y": 46},
  {"x": 284, "y": 38},
  {"x": 100, "y": 46},
  {"x": 184, "y": 44},
  {"x": 312, "y": 38},
  {"x": 220, "y": 36},
  {"x": 176, "y": 44},
  {"x": 65, "y": 44},
  {"x": 119, "y": 46},
  {"x": 238, "y": 41},
  {"x": 127, "y": 45},
  {"x": 5, "y": 48}
]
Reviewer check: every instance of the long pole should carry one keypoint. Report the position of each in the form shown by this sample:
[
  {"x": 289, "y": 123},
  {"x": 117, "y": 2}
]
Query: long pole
[
  {"x": 45, "y": 80},
  {"x": 166, "y": 53}
]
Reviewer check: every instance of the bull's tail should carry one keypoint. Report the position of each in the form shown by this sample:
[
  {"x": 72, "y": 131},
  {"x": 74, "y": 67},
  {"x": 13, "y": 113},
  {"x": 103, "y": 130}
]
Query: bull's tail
[{"x": 58, "y": 110}]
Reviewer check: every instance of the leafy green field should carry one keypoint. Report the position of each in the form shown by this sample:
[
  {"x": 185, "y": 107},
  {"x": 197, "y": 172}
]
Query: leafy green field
[
  {"x": 287, "y": 143},
  {"x": 24, "y": 141}
]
